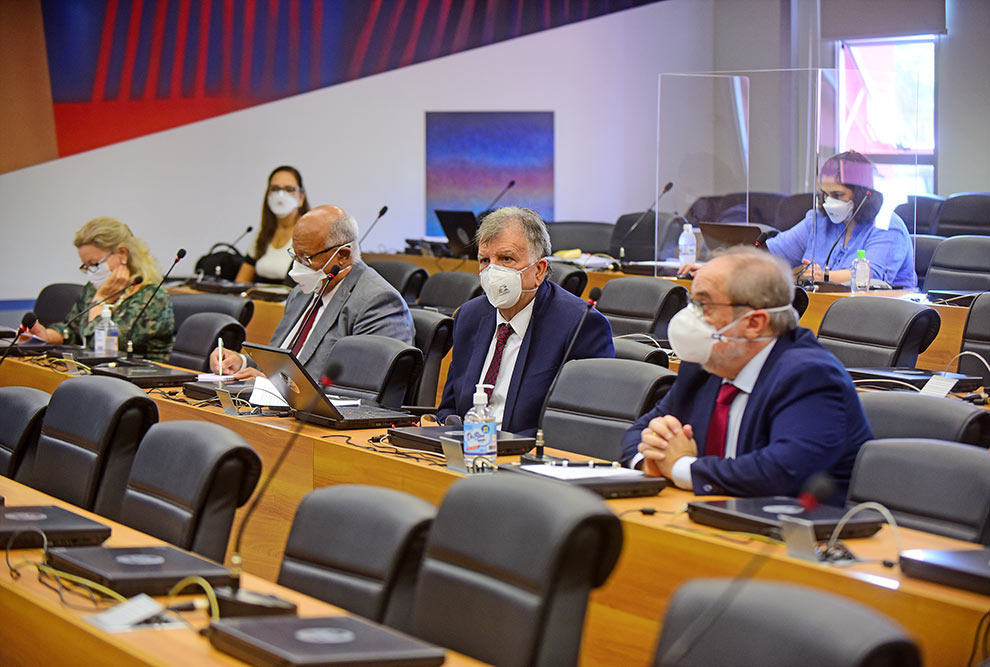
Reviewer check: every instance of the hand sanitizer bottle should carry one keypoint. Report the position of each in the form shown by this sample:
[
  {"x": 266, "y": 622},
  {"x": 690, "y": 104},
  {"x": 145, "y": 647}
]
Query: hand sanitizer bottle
[{"x": 479, "y": 434}]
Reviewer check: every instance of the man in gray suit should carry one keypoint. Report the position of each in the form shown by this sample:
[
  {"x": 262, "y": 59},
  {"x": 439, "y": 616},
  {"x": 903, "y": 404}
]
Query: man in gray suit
[{"x": 337, "y": 295}]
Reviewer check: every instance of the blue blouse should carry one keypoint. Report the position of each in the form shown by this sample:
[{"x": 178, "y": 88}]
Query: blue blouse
[{"x": 890, "y": 251}]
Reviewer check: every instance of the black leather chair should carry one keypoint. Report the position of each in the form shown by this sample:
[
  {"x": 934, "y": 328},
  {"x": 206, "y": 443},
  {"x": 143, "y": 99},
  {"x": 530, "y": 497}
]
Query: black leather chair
[
  {"x": 434, "y": 338},
  {"x": 55, "y": 301},
  {"x": 197, "y": 337},
  {"x": 596, "y": 400},
  {"x": 937, "y": 486},
  {"x": 960, "y": 263},
  {"x": 801, "y": 300},
  {"x": 704, "y": 209},
  {"x": 639, "y": 350},
  {"x": 188, "y": 479},
  {"x": 406, "y": 278},
  {"x": 727, "y": 622},
  {"x": 963, "y": 213},
  {"x": 640, "y": 304},
  {"x": 376, "y": 368},
  {"x": 89, "y": 437},
  {"x": 572, "y": 278},
  {"x": 919, "y": 212},
  {"x": 792, "y": 209},
  {"x": 519, "y": 556},
  {"x": 22, "y": 410},
  {"x": 358, "y": 547},
  {"x": 184, "y": 305},
  {"x": 591, "y": 237},
  {"x": 875, "y": 331},
  {"x": 976, "y": 339},
  {"x": 448, "y": 290},
  {"x": 924, "y": 249},
  {"x": 899, "y": 414},
  {"x": 762, "y": 206},
  {"x": 654, "y": 238}
]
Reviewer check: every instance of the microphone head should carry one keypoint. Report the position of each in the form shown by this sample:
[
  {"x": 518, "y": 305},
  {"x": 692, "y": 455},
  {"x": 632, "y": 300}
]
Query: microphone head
[
  {"x": 249, "y": 229},
  {"x": 817, "y": 490},
  {"x": 595, "y": 294},
  {"x": 179, "y": 255},
  {"x": 334, "y": 270},
  {"x": 512, "y": 183},
  {"x": 29, "y": 319},
  {"x": 137, "y": 280},
  {"x": 333, "y": 370},
  {"x": 667, "y": 187},
  {"x": 383, "y": 211}
]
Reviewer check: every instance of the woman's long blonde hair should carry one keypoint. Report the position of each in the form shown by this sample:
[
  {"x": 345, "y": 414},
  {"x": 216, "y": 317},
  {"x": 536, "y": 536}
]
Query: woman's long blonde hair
[{"x": 109, "y": 235}]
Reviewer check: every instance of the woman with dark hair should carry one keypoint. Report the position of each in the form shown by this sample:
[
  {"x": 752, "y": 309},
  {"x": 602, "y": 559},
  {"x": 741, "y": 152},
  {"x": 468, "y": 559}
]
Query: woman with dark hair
[
  {"x": 285, "y": 201},
  {"x": 823, "y": 245}
]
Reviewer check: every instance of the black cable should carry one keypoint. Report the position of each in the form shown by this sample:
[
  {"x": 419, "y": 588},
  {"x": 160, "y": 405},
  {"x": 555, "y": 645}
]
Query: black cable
[{"x": 976, "y": 637}]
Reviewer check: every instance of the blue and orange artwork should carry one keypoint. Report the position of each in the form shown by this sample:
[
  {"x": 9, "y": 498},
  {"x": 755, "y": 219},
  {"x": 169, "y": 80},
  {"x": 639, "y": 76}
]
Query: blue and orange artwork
[{"x": 472, "y": 156}]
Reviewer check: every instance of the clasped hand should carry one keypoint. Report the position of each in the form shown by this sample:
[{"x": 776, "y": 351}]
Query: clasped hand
[{"x": 664, "y": 441}]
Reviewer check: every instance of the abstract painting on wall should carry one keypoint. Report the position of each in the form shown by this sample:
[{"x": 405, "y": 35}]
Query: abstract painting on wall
[{"x": 472, "y": 156}]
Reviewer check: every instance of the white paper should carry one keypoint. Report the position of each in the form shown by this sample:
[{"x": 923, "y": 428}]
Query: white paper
[
  {"x": 213, "y": 377},
  {"x": 939, "y": 385},
  {"x": 265, "y": 394},
  {"x": 583, "y": 472}
]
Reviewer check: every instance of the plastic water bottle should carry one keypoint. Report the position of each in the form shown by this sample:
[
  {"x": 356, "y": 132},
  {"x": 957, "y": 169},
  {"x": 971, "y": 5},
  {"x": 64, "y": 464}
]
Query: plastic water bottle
[
  {"x": 479, "y": 434},
  {"x": 860, "y": 273},
  {"x": 100, "y": 330},
  {"x": 113, "y": 335},
  {"x": 687, "y": 246}
]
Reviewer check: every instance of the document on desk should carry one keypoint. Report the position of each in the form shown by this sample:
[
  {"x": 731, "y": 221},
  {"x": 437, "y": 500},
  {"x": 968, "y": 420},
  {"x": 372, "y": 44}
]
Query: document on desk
[
  {"x": 583, "y": 472},
  {"x": 265, "y": 394}
]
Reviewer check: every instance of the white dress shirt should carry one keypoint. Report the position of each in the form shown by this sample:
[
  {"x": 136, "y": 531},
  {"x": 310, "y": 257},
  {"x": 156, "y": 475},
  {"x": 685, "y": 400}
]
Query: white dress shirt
[{"x": 519, "y": 323}]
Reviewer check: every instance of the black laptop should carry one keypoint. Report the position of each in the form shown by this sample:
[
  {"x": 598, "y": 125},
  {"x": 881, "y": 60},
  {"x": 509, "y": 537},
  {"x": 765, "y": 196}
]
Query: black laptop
[
  {"x": 145, "y": 374},
  {"x": 607, "y": 481},
  {"x": 61, "y": 527},
  {"x": 427, "y": 438},
  {"x": 91, "y": 358},
  {"x": 460, "y": 228},
  {"x": 134, "y": 570},
  {"x": 336, "y": 640},
  {"x": 960, "y": 568},
  {"x": 760, "y": 515},
  {"x": 727, "y": 234},
  {"x": 307, "y": 400},
  {"x": 888, "y": 378}
]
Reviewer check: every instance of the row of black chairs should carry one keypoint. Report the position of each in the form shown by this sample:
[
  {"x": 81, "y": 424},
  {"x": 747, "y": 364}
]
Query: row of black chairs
[{"x": 96, "y": 443}]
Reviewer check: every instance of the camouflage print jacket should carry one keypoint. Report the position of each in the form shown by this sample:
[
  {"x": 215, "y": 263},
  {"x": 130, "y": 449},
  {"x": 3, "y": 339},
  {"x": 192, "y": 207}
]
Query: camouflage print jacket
[{"x": 152, "y": 336}]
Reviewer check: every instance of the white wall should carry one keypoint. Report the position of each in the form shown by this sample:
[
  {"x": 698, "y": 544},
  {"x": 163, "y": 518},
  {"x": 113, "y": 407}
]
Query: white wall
[{"x": 362, "y": 144}]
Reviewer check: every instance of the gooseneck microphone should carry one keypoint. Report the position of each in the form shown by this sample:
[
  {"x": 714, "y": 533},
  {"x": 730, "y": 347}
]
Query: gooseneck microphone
[
  {"x": 27, "y": 322},
  {"x": 382, "y": 212},
  {"x": 594, "y": 295},
  {"x": 178, "y": 256},
  {"x": 632, "y": 228},
  {"x": 245, "y": 233},
  {"x": 499, "y": 196},
  {"x": 538, "y": 457},
  {"x": 136, "y": 281}
]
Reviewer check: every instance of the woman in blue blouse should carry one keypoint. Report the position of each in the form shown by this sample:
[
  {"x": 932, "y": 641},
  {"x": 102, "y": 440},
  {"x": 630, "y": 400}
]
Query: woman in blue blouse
[{"x": 845, "y": 221}]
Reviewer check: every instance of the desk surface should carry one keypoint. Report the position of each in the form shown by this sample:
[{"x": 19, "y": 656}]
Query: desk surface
[{"x": 37, "y": 629}]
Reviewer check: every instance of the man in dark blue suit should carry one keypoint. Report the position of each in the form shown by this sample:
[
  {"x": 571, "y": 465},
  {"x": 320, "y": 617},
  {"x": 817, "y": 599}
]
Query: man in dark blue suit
[
  {"x": 515, "y": 336},
  {"x": 759, "y": 407}
]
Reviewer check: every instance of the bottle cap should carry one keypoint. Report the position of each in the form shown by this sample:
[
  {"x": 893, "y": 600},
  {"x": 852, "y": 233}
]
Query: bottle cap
[{"x": 861, "y": 254}]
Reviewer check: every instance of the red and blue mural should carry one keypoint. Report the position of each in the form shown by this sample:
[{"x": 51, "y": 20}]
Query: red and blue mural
[{"x": 120, "y": 69}]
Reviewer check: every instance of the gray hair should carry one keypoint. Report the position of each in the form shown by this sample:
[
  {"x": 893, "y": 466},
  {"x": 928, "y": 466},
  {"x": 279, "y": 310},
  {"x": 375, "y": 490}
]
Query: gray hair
[
  {"x": 537, "y": 236},
  {"x": 761, "y": 280},
  {"x": 345, "y": 230}
]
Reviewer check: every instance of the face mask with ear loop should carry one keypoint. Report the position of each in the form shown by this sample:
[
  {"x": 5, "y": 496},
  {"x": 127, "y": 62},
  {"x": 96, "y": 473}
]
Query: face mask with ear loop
[
  {"x": 502, "y": 285},
  {"x": 692, "y": 338}
]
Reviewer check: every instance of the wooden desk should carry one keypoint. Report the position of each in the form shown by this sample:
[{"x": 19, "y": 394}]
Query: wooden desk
[
  {"x": 38, "y": 630},
  {"x": 659, "y": 553}
]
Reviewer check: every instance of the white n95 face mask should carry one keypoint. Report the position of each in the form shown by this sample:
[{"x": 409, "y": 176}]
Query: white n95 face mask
[
  {"x": 692, "y": 338},
  {"x": 282, "y": 203},
  {"x": 502, "y": 285},
  {"x": 838, "y": 211}
]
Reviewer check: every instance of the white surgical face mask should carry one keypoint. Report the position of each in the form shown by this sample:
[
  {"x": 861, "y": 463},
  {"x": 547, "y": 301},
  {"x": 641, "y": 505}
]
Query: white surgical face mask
[
  {"x": 692, "y": 338},
  {"x": 502, "y": 285},
  {"x": 282, "y": 203},
  {"x": 100, "y": 274},
  {"x": 838, "y": 211},
  {"x": 308, "y": 278}
]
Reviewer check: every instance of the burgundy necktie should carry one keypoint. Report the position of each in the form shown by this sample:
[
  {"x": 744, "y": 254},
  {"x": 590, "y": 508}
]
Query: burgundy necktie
[
  {"x": 307, "y": 325},
  {"x": 717, "y": 426},
  {"x": 502, "y": 335}
]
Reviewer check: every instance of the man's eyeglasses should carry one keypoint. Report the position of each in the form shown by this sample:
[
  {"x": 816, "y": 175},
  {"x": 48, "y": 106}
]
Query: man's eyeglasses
[
  {"x": 289, "y": 189},
  {"x": 91, "y": 268},
  {"x": 308, "y": 260},
  {"x": 700, "y": 306}
]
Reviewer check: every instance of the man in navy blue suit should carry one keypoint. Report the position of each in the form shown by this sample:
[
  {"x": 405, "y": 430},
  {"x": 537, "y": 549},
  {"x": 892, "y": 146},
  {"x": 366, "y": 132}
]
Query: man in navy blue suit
[
  {"x": 515, "y": 336},
  {"x": 759, "y": 406}
]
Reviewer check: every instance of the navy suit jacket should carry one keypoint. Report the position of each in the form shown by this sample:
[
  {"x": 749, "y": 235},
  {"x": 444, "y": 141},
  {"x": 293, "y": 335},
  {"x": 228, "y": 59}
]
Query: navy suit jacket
[
  {"x": 556, "y": 313},
  {"x": 803, "y": 417}
]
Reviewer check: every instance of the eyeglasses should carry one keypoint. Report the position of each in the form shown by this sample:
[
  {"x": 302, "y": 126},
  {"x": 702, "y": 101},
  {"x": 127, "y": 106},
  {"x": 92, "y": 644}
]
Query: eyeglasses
[
  {"x": 91, "y": 268},
  {"x": 308, "y": 260},
  {"x": 288, "y": 189},
  {"x": 700, "y": 306}
]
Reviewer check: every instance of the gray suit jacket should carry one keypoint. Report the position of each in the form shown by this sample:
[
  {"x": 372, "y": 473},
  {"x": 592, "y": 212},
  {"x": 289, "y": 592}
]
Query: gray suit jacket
[{"x": 364, "y": 304}]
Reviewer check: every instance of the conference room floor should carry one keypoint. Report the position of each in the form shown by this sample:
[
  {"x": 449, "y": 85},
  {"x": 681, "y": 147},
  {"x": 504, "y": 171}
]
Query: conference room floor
[{"x": 661, "y": 550}]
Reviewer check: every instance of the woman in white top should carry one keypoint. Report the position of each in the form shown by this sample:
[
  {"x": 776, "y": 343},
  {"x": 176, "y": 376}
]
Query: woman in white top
[{"x": 285, "y": 201}]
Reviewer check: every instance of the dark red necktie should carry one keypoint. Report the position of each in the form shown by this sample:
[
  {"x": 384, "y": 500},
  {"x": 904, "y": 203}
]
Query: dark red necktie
[
  {"x": 717, "y": 426},
  {"x": 307, "y": 325},
  {"x": 502, "y": 335}
]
